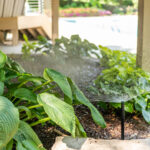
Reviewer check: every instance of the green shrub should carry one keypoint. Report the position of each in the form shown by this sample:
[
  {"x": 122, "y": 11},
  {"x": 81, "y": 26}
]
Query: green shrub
[
  {"x": 121, "y": 76},
  {"x": 64, "y": 47},
  {"x": 27, "y": 100},
  {"x": 115, "y": 6}
]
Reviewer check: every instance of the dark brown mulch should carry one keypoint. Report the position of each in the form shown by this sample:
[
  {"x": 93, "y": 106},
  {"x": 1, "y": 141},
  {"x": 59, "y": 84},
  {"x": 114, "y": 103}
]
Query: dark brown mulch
[
  {"x": 46, "y": 135},
  {"x": 135, "y": 127}
]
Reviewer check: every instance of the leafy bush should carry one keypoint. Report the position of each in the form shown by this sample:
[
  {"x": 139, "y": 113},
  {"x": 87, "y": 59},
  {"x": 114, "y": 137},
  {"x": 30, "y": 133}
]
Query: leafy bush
[
  {"x": 96, "y": 3},
  {"x": 114, "y": 6},
  {"x": 71, "y": 3},
  {"x": 74, "y": 47},
  {"x": 64, "y": 47},
  {"x": 42, "y": 46},
  {"x": 121, "y": 76},
  {"x": 27, "y": 100}
]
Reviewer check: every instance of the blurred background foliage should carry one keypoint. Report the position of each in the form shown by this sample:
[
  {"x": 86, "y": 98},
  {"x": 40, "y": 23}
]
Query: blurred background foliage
[{"x": 115, "y": 6}]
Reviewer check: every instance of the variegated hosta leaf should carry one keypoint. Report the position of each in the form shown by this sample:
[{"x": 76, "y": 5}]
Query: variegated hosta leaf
[
  {"x": 27, "y": 139},
  {"x": 59, "y": 112},
  {"x": 9, "y": 121}
]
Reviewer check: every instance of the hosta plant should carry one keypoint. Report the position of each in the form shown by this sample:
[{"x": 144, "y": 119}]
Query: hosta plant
[{"x": 27, "y": 100}]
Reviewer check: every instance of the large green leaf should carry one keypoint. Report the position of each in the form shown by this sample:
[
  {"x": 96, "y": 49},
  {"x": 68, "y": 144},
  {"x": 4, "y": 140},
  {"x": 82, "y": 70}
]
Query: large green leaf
[
  {"x": 3, "y": 59},
  {"x": 9, "y": 145},
  {"x": 25, "y": 94},
  {"x": 61, "y": 80},
  {"x": 27, "y": 138},
  {"x": 14, "y": 66},
  {"x": 129, "y": 107},
  {"x": 20, "y": 146},
  {"x": 79, "y": 129},
  {"x": 1, "y": 88},
  {"x": 146, "y": 115},
  {"x": 80, "y": 98},
  {"x": 141, "y": 101},
  {"x": 2, "y": 75},
  {"x": 9, "y": 121},
  {"x": 26, "y": 110},
  {"x": 59, "y": 112},
  {"x": 30, "y": 78}
]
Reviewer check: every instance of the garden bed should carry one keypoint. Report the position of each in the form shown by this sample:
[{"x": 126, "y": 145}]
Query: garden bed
[
  {"x": 135, "y": 127},
  {"x": 83, "y": 72}
]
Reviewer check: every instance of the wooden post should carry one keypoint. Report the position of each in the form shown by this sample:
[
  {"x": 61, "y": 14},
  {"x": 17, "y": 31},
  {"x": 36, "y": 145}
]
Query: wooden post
[
  {"x": 143, "y": 48},
  {"x": 2, "y": 36},
  {"x": 55, "y": 17},
  {"x": 15, "y": 39}
]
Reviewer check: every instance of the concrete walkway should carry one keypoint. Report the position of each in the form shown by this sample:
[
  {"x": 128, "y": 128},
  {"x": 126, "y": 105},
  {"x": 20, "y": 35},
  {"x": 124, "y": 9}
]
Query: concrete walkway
[
  {"x": 68, "y": 143},
  {"x": 9, "y": 49},
  {"x": 117, "y": 32}
]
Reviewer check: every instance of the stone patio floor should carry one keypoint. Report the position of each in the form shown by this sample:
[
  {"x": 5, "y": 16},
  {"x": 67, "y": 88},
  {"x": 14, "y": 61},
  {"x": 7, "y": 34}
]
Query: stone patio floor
[{"x": 68, "y": 143}]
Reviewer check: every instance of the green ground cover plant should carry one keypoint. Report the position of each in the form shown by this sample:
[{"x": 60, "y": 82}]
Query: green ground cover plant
[
  {"x": 27, "y": 100},
  {"x": 121, "y": 76}
]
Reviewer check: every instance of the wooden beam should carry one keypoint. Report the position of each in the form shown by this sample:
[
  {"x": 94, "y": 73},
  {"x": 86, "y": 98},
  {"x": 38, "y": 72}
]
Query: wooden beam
[
  {"x": 8, "y": 23},
  {"x": 23, "y": 31},
  {"x": 33, "y": 32},
  {"x": 55, "y": 17},
  {"x": 41, "y": 32},
  {"x": 143, "y": 48}
]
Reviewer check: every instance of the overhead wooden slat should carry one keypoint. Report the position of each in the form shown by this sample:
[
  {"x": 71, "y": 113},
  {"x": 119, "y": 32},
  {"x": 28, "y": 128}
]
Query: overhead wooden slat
[
  {"x": 8, "y": 8},
  {"x": 18, "y": 8},
  {"x": 1, "y": 7},
  {"x": 23, "y": 32},
  {"x": 33, "y": 33},
  {"x": 41, "y": 32}
]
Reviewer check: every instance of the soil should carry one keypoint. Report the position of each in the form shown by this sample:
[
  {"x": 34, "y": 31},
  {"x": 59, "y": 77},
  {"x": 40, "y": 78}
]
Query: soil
[
  {"x": 83, "y": 72},
  {"x": 135, "y": 127}
]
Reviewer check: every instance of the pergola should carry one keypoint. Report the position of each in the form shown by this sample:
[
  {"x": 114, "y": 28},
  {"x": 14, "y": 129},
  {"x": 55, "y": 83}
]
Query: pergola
[{"x": 13, "y": 19}]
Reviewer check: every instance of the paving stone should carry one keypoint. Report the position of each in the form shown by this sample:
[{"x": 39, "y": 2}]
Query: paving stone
[{"x": 69, "y": 143}]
